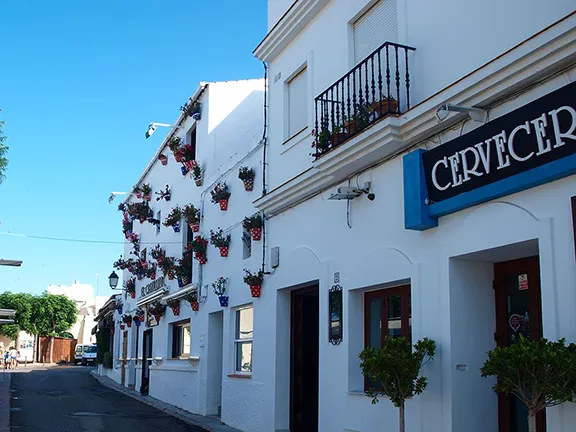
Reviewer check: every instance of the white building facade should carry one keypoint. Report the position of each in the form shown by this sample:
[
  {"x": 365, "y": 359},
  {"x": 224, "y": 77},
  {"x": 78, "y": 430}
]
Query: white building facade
[
  {"x": 200, "y": 361},
  {"x": 453, "y": 224}
]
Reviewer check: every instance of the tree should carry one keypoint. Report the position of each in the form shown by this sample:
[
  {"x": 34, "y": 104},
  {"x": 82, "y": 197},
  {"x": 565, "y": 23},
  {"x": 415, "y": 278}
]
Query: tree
[
  {"x": 393, "y": 370},
  {"x": 22, "y": 304},
  {"x": 538, "y": 372},
  {"x": 3, "y": 152},
  {"x": 53, "y": 315}
]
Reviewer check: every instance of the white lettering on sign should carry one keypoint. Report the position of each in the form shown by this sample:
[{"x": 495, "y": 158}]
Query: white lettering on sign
[{"x": 462, "y": 169}]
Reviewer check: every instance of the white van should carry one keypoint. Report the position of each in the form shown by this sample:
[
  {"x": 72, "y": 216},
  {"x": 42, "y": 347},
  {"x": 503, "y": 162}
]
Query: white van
[{"x": 80, "y": 350}]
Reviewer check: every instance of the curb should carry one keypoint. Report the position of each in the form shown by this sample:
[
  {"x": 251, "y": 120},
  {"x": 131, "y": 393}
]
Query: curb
[{"x": 179, "y": 413}]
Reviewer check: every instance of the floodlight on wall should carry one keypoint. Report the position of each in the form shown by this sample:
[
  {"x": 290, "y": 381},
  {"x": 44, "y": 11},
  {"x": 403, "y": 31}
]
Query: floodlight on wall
[
  {"x": 349, "y": 193},
  {"x": 152, "y": 128},
  {"x": 476, "y": 114},
  {"x": 113, "y": 195}
]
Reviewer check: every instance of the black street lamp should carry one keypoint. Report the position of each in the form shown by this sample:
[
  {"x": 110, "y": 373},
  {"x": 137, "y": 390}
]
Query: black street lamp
[{"x": 113, "y": 278}]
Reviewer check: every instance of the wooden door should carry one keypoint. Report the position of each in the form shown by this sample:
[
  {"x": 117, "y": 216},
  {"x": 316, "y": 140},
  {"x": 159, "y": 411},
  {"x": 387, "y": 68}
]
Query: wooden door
[
  {"x": 146, "y": 361},
  {"x": 124, "y": 355},
  {"x": 518, "y": 311}
]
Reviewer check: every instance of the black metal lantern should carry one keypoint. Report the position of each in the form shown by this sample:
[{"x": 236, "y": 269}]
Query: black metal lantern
[
  {"x": 335, "y": 329},
  {"x": 113, "y": 278}
]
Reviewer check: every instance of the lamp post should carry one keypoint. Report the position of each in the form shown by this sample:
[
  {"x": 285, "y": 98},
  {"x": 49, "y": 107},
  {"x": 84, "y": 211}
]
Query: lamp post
[{"x": 113, "y": 279}]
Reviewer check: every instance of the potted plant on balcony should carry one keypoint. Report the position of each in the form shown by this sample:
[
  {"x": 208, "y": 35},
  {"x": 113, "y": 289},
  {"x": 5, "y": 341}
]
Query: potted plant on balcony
[
  {"x": 199, "y": 246},
  {"x": 164, "y": 194},
  {"x": 192, "y": 298},
  {"x": 254, "y": 281},
  {"x": 130, "y": 287},
  {"x": 220, "y": 195},
  {"x": 147, "y": 191},
  {"x": 325, "y": 139},
  {"x": 358, "y": 119},
  {"x": 192, "y": 217},
  {"x": 183, "y": 270},
  {"x": 157, "y": 309},
  {"x": 127, "y": 319},
  {"x": 382, "y": 108},
  {"x": 173, "y": 219},
  {"x": 254, "y": 224},
  {"x": 175, "y": 306},
  {"x": 221, "y": 241},
  {"x": 219, "y": 287},
  {"x": 247, "y": 175},
  {"x": 196, "y": 173}
]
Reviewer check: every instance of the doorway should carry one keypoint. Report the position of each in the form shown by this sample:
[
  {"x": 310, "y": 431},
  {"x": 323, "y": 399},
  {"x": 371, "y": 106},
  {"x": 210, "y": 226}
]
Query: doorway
[
  {"x": 146, "y": 361},
  {"x": 304, "y": 358},
  {"x": 124, "y": 355},
  {"x": 518, "y": 312},
  {"x": 215, "y": 371}
]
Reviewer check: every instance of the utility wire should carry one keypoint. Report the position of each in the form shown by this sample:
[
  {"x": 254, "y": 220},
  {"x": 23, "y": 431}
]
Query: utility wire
[{"x": 79, "y": 240}]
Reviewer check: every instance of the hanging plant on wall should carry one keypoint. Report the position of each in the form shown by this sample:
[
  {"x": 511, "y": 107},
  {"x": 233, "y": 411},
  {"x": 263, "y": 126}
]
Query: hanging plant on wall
[
  {"x": 192, "y": 217},
  {"x": 173, "y": 219},
  {"x": 157, "y": 309},
  {"x": 139, "y": 210},
  {"x": 254, "y": 281},
  {"x": 147, "y": 191},
  {"x": 168, "y": 267},
  {"x": 151, "y": 271},
  {"x": 175, "y": 306},
  {"x": 158, "y": 254},
  {"x": 254, "y": 224},
  {"x": 137, "y": 191},
  {"x": 192, "y": 109},
  {"x": 221, "y": 241},
  {"x": 183, "y": 269},
  {"x": 192, "y": 298},
  {"x": 199, "y": 246},
  {"x": 220, "y": 195},
  {"x": 127, "y": 225},
  {"x": 247, "y": 176},
  {"x": 127, "y": 319},
  {"x": 163, "y": 159},
  {"x": 120, "y": 264},
  {"x": 135, "y": 240},
  {"x": 219, "y": 287},
  {"x": 130, "y": 287},
  {"x": 164, "y": 194},
  {"x": 138, "y": 317},
  {"x": 196, "y": 172}
]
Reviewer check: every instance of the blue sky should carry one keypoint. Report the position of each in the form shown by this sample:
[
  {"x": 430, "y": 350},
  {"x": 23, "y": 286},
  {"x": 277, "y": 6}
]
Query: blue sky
[{"x": 79, "y": 83}]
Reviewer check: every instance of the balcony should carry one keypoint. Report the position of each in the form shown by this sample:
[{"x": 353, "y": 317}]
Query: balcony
[{"x": 377, "y": 87}]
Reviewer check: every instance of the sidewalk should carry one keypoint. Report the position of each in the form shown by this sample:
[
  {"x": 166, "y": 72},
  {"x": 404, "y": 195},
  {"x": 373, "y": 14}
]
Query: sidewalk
[
  {"x": 210, "y": 424},
  {"x": 5, "y": 377}
]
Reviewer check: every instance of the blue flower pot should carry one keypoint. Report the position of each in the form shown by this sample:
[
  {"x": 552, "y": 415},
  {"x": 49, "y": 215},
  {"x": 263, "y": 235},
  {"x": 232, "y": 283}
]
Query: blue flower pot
[
  {"x": 180, "y": 282},
  {"x": 132, "y": 218},
  {"x": 137, "y": 323},
  {"x": 119, "y": 309},
  {"x": 176, "y": 228},
  {"x": 223, "y": 301},
  {"x": 184, "y": 170}
]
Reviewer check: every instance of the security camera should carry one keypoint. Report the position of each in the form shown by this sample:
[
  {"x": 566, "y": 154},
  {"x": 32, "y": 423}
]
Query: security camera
[
  {"x": 371, "y": 196},
  {"x": 151, "y": 130}
]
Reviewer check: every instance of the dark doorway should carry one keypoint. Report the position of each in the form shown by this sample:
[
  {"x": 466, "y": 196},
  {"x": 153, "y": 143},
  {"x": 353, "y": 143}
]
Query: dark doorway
[
  {"x": 518, "y": 312},
  {"x": 146, "y": 361},
  {"x": 304, "y": 360}
]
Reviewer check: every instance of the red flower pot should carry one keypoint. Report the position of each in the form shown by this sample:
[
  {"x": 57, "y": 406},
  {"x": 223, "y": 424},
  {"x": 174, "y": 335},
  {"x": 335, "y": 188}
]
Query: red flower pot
[
  {"x": 129, "y": 324},
  {"x": 195, "y": 227},
  {"x": 176, "y": 311},
  {"x": 198, "y": 182},
  {"x": 132, "y": 294},
  {"x": 255, "y": 290},
  {"x": 256, "y": 233},
  {"x": 138, "y": 195},
  {"x": 122, "y": 327},
  {"x": 195, "y": 306},
  {"x": 248, "y": 185},
  {"x": 170, "y": 275},
  {"x": 201, "y": 259},
  {"x": 147, "y": 197},
  {"x": 153, "y": 275},
  {"x": 158, "y": 317},
  {"x": 163, "y": 159},
  {"x": 223, "y": 204},
  {"x": 224, "y": 251}
]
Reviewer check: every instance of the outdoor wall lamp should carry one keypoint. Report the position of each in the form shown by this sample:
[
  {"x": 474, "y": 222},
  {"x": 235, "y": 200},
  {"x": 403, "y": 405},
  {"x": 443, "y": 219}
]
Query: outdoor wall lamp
[
  {"x": 113, "y": 195},
  {"x": 476, "y": 114},
  {"x": 152, "y": 128},
  {"x": 113, "y": 279}
]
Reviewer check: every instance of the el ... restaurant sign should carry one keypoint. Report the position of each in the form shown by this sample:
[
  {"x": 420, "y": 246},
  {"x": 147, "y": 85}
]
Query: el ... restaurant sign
[
  {"x": 153, "y": 286},
  {"x": 532, "y": 136}
]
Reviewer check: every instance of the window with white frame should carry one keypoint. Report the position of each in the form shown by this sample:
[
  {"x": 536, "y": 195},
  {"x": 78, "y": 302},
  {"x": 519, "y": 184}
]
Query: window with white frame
[
  {"x": 244, "y": 332},
  {"x": 181, "y": 339},
  {"x": 377, "y": 25},
  {"x": 297, "y": 103}
]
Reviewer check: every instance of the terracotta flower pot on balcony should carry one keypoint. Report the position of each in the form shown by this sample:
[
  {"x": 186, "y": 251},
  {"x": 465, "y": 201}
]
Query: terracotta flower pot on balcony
[
  {"x": 163, "y": 159},
  {"x": 195, "y": 227},
  {"x": 147, "y": 197},
  {"x": 223, "y": 204},
  {"x": 382, "y": 106},
  {"x": 195, "y": 306},
  {"x": 256, "y": 233},
  {"x": 255, "y": 290},
  {"x": 248, "y": 185},
  {"x": 224, "y": 251}
]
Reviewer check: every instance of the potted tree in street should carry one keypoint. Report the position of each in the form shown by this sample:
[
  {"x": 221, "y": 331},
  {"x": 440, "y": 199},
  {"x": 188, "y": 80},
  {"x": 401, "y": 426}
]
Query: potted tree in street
[
  {"x": 540, "y": 373},
  {"x": 221, "y": 241},
  {"x": 393, "y": 371}
]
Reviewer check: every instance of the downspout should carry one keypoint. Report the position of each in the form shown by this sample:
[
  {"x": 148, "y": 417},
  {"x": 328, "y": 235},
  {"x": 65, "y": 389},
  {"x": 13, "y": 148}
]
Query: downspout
[{"x": 264, "y": 163}]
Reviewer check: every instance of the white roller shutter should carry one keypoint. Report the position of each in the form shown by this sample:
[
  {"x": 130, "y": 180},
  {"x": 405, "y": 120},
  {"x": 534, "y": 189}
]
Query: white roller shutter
[
  {"x": 378, "y": 25},
  {"x": 297, "y": 104}
]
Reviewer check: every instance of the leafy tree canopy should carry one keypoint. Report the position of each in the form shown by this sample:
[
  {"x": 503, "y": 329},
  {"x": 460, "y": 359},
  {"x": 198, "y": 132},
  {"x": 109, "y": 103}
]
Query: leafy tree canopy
[{"x": 22, "y": 304}]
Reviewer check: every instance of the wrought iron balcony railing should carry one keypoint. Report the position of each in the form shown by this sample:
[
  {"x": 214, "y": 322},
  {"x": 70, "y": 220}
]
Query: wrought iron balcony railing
[{"x": 375, "y": 88}]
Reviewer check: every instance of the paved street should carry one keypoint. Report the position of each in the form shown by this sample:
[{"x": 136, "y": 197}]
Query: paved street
[{"x": 69, "y": 399}]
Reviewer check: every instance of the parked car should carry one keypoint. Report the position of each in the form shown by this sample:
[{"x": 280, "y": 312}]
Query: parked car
[
  {"x": 80, "y": 350},
  {"x": 89, "y": 356}
]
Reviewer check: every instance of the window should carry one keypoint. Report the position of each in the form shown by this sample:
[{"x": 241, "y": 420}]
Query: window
[
  {"x": 297, "y": 103},
  {"x": 244, "y": 333},
  {"x": 191, "y": 138},
  {"x": 181, "y": 339},
  {"x": 387, "y": 313},
  {"x": 143, "y": 254},
  {"x": 378, "y": 25},
  {"x": 246, "y": 244},
  {"x": 188, "y": 256},
  {"x": 158, "y": 218}
]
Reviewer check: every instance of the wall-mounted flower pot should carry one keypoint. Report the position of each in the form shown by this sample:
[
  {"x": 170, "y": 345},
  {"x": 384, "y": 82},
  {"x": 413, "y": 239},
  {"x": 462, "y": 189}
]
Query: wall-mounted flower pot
[
  {"x": 183, "y": 281},
  {"x": 147, "y": 197},
  {"x": 137, "y": 322},
  {"x": 256, "y": 233},
  {"x": 119, "y": 309},
  {"x": 195, "y": 227},
  {"x": 158, "y": 318},
  {"x": 176, "y": 311},
  {"x": 248, "y": 185},
  {"x": 223, "y": 204},
  {"x": 122, "y": 327},
  {"x": 224, "y": 251},
  {"x": 138, "y": 195},
  {"x": 195, "y": 306},
  {"x": 176, "y": 228},
  {"x": 184, "y": 170},
  {"x": 132, "y": 294},
  {"x": 163, "y": 159},
  {"x": 167, "y": 197},
  {"x": 223, "y": 301},
  {"x": 170, "y": 275},
  {"x": 132, "y": 218},
  {"x": 255, "y": 290},
  {"x": 153, "y": 275},
  {"x": 201, "y": 259},
  {"x": 197, "y": 116},
  {"x": 140, "y": 276},
  {"x": 129, "y": 324},
  {"x": 198, "y": 181}
]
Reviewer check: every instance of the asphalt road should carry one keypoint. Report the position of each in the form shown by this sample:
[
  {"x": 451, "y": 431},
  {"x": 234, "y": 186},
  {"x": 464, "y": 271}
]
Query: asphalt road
[{"x": 69, "y": 399}]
